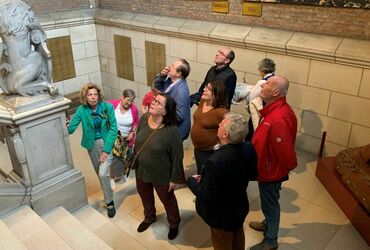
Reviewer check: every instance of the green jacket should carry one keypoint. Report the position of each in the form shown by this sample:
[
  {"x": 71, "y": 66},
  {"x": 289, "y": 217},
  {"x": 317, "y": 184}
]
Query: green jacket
[{"x": 108, "y": 129}]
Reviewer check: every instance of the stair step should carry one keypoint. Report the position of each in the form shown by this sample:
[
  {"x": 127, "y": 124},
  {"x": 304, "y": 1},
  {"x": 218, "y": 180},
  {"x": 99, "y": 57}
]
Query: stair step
[
  {"x": 106, "y": 230},
  {"x": 32, "y": 231},
  {"x": 71, "y": 230},
  {"x": 3, "y": 177},
  {"x": 8, "y": 239}
]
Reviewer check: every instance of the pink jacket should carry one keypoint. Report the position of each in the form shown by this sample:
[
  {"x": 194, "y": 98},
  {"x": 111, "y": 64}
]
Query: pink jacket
[{"x": 135, "y": 117}]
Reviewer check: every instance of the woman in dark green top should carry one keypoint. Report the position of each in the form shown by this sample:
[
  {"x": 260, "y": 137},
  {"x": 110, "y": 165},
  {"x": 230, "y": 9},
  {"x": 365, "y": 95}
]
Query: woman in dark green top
[{"x": 159, "y": 162}]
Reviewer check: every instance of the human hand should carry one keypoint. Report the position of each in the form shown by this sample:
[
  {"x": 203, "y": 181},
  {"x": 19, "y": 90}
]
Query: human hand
[
  {"x": 197, "y": 177},
  {"x": 67, "y": 122},
  {"x": 103, "y": 157},
  {"x": 165, "y": 71},
  {"x": 156, "y": 91},
  {"x": 171, "y": 186},
  {"x": 130, "y": 136}
]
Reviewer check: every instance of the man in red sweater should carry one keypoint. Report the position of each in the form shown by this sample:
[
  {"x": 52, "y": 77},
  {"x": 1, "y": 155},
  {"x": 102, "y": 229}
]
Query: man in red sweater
[{"x": 274, "y": 141}]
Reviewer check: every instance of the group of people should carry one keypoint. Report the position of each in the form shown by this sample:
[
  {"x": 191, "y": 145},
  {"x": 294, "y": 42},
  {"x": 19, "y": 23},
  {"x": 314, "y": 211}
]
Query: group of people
[{"x": 225, "y": 161}]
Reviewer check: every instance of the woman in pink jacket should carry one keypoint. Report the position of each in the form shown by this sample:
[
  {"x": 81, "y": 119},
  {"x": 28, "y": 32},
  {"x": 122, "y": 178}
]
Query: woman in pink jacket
[{"x": 127, "y": 117}]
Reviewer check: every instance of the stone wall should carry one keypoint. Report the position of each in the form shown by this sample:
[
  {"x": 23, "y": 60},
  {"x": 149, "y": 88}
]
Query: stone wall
[
  {"x": 82, "y": 32},
  {"x": 329, "y": 76},
  {"x": 323, "y": 20}
]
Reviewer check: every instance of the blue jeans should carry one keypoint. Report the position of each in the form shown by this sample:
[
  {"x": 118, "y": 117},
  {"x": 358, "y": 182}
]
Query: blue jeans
[{"x": 270, "y": 195}]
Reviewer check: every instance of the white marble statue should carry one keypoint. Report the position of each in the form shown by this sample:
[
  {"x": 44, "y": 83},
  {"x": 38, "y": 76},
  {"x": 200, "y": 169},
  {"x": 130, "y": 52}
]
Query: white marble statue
[{"x": 25, "y": 61}]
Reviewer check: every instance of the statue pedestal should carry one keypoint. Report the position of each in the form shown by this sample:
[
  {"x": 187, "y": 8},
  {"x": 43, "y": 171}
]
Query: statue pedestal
[{"x": 40, "y": 153}]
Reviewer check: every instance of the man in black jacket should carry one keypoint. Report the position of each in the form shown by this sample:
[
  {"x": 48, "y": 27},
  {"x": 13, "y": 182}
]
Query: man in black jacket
[
  {"x": 220, "y": 73},
  {"x": 221, "y": 197}
]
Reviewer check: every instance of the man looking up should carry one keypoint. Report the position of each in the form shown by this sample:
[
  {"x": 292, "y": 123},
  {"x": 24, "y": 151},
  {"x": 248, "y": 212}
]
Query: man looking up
[
  {"x": 221, "y": 197},
  {"x": 172, "y": 81},
  {"x": 274, "y": 141},
  {"x": 221, "y": 73}
]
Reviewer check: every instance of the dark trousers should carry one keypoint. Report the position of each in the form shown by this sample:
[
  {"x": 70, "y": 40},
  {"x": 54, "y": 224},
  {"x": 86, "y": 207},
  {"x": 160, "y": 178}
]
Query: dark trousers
[
  {"x": 270, "y": 195},
  {"x": 168, "y": 199},
  {"x": 182, "y": 179},
  {"x": 201, "y": 157},
  {"x": 250, "y": 130},
  {"x": 223, "y": 240}
]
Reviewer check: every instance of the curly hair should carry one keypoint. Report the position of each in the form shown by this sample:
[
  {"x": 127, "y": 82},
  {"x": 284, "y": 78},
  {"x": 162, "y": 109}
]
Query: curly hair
[
  {"x": 16, "y": 17},
  {"x": 85, "y": 89}
]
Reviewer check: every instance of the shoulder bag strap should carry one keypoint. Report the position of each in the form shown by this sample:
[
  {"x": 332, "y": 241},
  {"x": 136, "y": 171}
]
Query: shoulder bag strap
[{"x": 147, "y": 140}]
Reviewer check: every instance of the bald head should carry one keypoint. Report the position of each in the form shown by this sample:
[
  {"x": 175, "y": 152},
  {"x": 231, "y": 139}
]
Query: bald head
[
  {"x": 275, "y": 88},
  {"x": 282, "y": 84}
]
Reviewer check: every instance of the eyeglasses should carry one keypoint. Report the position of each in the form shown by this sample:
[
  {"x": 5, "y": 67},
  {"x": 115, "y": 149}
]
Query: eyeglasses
[
  {"x": 222, "y": 53},
  {"x": 156, "y": 102}
]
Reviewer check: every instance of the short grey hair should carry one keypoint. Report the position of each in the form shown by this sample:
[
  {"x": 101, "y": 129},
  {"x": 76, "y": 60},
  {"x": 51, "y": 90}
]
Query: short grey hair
[
  {"x": 267, "y": 66},
  {"x": 129, "y": 93},
  {"x": 236, "y": 128}
]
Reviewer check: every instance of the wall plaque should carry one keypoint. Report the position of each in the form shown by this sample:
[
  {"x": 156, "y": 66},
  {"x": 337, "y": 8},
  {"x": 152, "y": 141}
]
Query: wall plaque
[
  {"x": 63, "y": 66},
  {"x": 123, "y": 52},
  {"x": 252, "y": 9},
  {"x": 220, "y": 7},
  {"x": 155, "y": 55}
]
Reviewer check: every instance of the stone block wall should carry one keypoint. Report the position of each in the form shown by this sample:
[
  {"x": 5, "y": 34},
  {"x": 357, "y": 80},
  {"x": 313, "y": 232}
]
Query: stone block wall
[
  {"x": 329, "y": 76},
  {"x": 84, "y": 48},
  {"x": 323, "y": 20}
]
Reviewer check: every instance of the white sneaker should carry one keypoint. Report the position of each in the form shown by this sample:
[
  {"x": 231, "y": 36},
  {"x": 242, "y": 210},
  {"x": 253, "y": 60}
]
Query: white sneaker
[{"x": 112, "y": 184}]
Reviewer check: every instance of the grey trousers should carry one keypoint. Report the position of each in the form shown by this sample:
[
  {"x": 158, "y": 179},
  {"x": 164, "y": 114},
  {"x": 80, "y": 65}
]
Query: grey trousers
[{"x": 102, "y": 169}]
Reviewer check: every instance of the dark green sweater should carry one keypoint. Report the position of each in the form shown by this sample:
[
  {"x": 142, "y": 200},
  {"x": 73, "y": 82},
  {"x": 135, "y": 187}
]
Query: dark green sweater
[{"x": 161, "y": 159}]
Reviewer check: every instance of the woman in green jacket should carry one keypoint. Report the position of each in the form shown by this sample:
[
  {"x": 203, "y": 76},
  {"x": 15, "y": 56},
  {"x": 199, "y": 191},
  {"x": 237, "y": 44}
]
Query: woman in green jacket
[{"x": 99, "y": 131}]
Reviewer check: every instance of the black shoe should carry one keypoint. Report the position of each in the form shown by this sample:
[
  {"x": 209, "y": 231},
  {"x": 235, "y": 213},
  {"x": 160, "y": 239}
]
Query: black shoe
[
  {"x": 264, "y": 246},
  {"x": 111, "y": 210},
  {"x": 144, "y": 226},
  {"x": 172, "y": 233}
]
